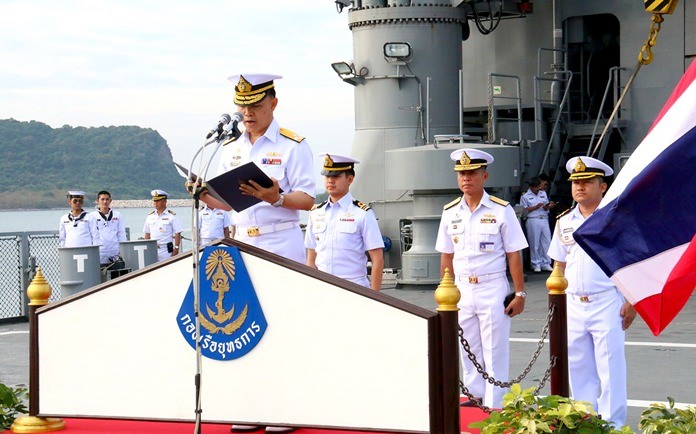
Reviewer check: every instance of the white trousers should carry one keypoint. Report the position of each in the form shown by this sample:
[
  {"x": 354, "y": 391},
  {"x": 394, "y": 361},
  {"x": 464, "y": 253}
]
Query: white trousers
[
  {"x": 539, "y": 237},
  {"x": 487, "y": 329},
  {"x": 596, "y": 356},
  {"x": 162, "y": 253},
  {"x": 288, "y": 243}
]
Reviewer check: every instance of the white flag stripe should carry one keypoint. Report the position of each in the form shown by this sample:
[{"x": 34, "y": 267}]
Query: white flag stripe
[
  {"x": 646, "y": 278},
  {"x": 680, "y": 118}
]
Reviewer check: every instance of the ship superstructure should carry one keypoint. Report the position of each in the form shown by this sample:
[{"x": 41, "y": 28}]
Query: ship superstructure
[{"x": 532, "y": 82}]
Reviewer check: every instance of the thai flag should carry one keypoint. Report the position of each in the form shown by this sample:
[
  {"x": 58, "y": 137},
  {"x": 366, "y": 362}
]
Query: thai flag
[{"x": 644, "y": 233}]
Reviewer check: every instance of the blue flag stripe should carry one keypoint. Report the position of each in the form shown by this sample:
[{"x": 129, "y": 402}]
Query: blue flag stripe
[{"x": 654, "y": 213}]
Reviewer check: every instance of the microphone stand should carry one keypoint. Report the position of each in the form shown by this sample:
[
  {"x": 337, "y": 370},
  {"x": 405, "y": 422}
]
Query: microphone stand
[{"x": 196, "y": 185}]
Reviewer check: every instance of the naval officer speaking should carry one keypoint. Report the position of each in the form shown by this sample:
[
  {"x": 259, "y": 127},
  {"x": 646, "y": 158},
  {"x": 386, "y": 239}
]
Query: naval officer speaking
[{"x": 274, "y": 223}]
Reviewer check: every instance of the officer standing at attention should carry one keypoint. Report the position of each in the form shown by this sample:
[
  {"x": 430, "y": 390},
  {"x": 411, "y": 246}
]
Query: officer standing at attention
[
  {"x": 597, "y": 313},
  {"x": 274, "y": 223},
  {"x": 112, "y": 231},
  {"x": 77, "y": 228},
  {"x": 341, "y": 229},
  {"x": 477, "y": 233},
  {"x": 213, "y": 224},
  {"x": 163, "y": 225},
  {"x": 537, "y": 205}
]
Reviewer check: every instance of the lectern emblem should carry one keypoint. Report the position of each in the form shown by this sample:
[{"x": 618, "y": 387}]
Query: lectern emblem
[{"x": 231, "y": 319}]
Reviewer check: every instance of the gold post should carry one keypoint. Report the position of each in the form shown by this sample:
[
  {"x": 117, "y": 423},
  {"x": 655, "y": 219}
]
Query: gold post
[
  {"x": 39, "y": 291},
  {"x": 558, "y": 332},
  {"x": 447, "y": 296}
]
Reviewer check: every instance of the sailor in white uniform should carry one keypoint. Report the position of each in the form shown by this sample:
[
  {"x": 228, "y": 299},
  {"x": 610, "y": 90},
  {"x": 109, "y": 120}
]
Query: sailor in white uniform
[
  {"x": 537, "y": 204},
  {"x": 77, "y": 228},
  {"x": 163, "y": 225},
  {"x": 213, "y": 224},
  {"x": 112, "y": 231},
  {"x": 597, "y": 313},
  {"x": 274, "y": 223},
  {"x": 341, "y": 229},
  {"x": 477, "y": 234}
]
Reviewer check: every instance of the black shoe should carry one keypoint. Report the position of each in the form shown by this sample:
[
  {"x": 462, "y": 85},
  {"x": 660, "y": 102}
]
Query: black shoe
[
  {"x": 279, "y": 429},
  {"x": 244, "y": 428}
]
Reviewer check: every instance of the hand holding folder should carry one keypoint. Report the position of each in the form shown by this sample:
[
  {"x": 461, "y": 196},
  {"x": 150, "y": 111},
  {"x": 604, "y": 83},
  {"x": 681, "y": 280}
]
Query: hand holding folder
[{"x": 225, "y": 187}]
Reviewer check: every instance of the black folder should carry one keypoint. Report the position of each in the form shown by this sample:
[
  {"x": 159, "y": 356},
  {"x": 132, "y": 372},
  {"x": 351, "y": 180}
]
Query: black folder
[{"x": 225, "y": 187}]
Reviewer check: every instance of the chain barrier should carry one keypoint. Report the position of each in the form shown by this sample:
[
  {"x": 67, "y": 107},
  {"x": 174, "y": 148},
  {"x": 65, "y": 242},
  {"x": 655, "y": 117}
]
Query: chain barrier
[{"x": 505, "y": 384}]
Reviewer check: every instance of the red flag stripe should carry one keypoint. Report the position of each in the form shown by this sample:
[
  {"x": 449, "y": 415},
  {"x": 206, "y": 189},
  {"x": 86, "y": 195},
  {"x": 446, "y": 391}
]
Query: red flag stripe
[{"x": 683, "y": 84}]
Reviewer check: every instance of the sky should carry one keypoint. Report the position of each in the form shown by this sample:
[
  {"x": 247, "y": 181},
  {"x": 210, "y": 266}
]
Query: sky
[{"x": 164, "y": 65}]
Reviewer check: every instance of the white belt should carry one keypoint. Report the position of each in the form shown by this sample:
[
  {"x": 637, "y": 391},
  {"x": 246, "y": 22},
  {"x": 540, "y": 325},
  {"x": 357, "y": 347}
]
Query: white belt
[
  {"x": 588, "y": 298},
  {"x": 473, "y": 279},
  {"x": 255, "y": 231}
]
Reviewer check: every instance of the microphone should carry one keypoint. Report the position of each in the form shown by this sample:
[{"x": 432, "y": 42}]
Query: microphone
[
  {"x": 224, "y": 120},
  {"x": 231, "y": 127}
]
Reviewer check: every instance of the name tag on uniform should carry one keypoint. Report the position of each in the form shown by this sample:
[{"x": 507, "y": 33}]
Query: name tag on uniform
[{"x": 486, "y": 246}]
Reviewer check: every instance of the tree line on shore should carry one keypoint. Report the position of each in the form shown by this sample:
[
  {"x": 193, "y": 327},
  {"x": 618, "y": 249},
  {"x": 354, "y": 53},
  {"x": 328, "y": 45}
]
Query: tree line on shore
[{"x": 40, "y": 163}]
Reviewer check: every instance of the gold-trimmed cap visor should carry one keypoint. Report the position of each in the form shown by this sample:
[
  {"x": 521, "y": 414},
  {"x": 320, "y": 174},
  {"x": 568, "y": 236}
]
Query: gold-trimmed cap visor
[
  {"x": 158, "y": 194},
  {"x": 335, "y": 164},
  {"x": 586, "y": 168},
  {"x": 470, "y": 159},
  {"x": 252, "y": 88}
]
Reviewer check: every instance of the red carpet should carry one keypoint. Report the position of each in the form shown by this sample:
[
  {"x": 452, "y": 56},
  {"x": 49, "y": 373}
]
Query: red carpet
[{"x": 113, "y": 426}]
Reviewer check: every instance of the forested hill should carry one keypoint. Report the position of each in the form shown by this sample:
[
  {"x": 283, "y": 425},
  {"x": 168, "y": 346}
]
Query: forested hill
[{"x": 39, "y": 163}]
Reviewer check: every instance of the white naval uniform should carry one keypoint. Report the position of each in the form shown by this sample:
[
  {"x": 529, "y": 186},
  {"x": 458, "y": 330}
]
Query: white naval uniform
[
  {"x": 212, "y": 223},
  {"x": 78, "y": 231},
  {"x": 479, "y": 241},
  {"x": 162, "y": 227},
  {"x": 112, "y": 231},
  {"x": 341, "y": 233},
  {"x": 538, "y": 231},
  {"x": 290, "y": 162},
  {"x": 596, "y": 355}
]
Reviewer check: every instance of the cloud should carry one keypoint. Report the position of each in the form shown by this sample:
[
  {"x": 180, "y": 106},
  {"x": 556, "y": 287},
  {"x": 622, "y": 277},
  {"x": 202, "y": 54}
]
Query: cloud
[{"x": 163, "y": 65}]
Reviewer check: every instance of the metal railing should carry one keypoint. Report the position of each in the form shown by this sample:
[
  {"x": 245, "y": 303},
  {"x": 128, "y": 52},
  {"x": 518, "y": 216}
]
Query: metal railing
[{"x": 20, "y": 253}]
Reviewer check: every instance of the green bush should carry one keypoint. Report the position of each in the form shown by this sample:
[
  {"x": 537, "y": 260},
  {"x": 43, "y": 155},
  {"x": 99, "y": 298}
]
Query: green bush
[
  {"x": 12, "y": 404},
  {"x": 660, "y": 419},
  {"x": 525, "y": 413}
]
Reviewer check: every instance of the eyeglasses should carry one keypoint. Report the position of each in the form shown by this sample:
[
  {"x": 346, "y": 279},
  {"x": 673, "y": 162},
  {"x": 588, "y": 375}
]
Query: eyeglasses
[{"x": 77, "y": 200}]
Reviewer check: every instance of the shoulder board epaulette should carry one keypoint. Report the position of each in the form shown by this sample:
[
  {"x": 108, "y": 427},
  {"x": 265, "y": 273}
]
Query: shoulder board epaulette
[
  {"x": 564, "y": 213},
  {"x": 499, "y": 201},
  {"x": 171, "y": 212},
  {"x": 152, "y": 212},
  {"x": 319, "y": 205},
  {"x": 361, "y": 205},
  {"x": 229, "y": 141},
  {"x": 290, "y": 135},
  {"x": 453, "y": 203}
]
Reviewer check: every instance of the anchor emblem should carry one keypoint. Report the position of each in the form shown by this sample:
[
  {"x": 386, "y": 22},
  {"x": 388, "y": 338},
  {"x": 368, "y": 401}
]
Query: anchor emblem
[{"x": 219, "y": 269}]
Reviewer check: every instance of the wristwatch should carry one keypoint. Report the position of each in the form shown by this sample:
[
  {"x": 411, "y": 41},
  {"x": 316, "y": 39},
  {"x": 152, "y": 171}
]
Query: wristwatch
[
  {"x": 279, "y": 202},
  {"x": 522, "y": 294}
]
